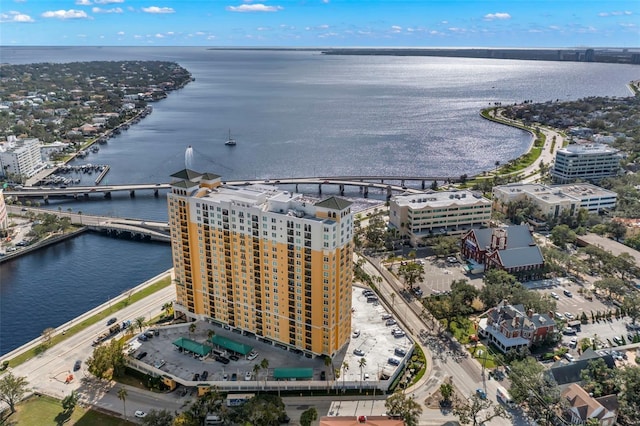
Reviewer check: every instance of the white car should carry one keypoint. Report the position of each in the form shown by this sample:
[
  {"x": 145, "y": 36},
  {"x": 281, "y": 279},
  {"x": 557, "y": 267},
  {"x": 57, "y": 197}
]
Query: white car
[
  {"x": 356, "y": 333},
  {"x": 247, "y": 376},
  {"x": 554, "y": 295},
  {"x": 252, "y": 355},
  {"x": 140, "y": 414}
]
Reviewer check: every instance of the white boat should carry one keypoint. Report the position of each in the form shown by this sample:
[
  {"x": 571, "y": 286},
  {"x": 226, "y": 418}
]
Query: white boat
[{"x": 231, "y": 141}]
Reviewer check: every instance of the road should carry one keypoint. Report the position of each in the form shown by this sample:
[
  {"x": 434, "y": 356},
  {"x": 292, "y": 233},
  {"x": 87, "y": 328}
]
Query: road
[
  {"x": 47, "y": 372},
  {"x": 466, "y": 374}
]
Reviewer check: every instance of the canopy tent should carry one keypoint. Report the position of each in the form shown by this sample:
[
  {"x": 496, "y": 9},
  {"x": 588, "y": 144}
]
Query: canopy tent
[
  {"x": 232, "y": 345},
  {"x": 193, "y": 346},
  {"x": 292, "y": 373}
]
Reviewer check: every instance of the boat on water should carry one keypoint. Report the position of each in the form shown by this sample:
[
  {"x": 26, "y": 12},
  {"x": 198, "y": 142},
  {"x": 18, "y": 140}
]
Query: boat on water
[{"x": 230, "y": 141}]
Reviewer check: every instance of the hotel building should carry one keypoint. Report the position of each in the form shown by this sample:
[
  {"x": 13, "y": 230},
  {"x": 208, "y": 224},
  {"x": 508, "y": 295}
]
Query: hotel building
[
  {"x": 591, "y": 162},
  {"x": 434, "y": 213},
  {"x": 271, "y": 263},
  {"x": 20, "y": 157},
  {"x": 553, "y": 200}
]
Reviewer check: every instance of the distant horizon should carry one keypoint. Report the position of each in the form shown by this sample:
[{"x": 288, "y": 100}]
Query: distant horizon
[
  {"x": 321, "y": 23},
  {"x": 276, "y": 47}
]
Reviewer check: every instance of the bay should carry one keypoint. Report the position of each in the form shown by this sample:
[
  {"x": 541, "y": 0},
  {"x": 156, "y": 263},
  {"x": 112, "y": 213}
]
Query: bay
[{"x": 293, "y": 113}]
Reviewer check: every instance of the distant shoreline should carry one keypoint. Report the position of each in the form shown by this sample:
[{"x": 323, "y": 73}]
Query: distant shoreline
[{"x": 603, "y": 55}]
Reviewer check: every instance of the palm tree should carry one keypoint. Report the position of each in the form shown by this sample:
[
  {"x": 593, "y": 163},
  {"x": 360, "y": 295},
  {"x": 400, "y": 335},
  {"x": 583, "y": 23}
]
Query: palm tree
[
  {"x": 345, "y": 368},
  {"x": 167, "y": 308},
  {"x": 192, "y": 328},
  {"x": 210, "y": 334},
  {"x": 140, "y": 322},
  {"x": 256, "y": 369},
  {"x": 362, "y": 362},
  {"x": 122, "y": 395},
  {"x": 264, "y": 364},
  {"x": 328, "y": 362}
]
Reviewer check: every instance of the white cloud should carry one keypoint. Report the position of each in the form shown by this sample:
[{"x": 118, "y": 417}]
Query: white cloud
[
  {"x": 83, "y": 2},
  {"x": 200, "y": 33},
  {"x": 65, "y": 14},
  {"x": 616, "y": 13},
  {"x": 396, "y": 29},
  {"x": 264, "y": 29},
  {"x": 14, "y": 16},
  {"x": 159, "y": 35},
  {"x": 156, "y": 9},
  {"x": 258, "y": 7},
  {"x": 107, "y": 1},
  {"x": 499, "y": 15},
  {"x": 112, "y": 10},
  {"x": 120, "y": 33}
]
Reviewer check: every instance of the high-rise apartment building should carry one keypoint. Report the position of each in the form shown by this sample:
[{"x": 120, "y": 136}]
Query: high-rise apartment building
[
  {"x": 268, "y": 262},
  {"x": 591, "y": 162},
  {"x": 20, "y": 157}
]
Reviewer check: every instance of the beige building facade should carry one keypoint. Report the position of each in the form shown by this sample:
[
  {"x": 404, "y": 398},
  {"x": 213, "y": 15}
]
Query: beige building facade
[
  {"x": 417, "y": 216},
  {"x": 270, "y": 263}
]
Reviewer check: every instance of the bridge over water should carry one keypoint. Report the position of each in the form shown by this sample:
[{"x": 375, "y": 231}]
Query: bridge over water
[
  {"x": 115, "y": 226},
  {"x": 364, "y": 183}
]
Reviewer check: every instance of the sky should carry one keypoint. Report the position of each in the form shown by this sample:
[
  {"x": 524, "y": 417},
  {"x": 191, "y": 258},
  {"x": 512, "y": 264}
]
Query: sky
[{"x": 321, "y": 23}]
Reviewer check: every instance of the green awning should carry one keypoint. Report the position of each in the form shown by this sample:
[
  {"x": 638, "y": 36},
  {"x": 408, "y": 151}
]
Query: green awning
[
  {"x": 232, "y": 345},
  {"x": 193, "y": 346},
  {"x": 293, "y": 373}
]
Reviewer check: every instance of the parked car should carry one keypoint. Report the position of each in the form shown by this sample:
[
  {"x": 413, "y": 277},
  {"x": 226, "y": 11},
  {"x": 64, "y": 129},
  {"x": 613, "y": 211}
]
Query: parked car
[
  {"x": 399, "y": 352},
  {"x": 390, "y": 321},
  {"x": 569, "y": 357},
  {"x": 399, "y": 333},
  {"x": 569, "y": 315},
  {"x": 356, "y": 333},
  {"x": 234, "y": 377},
  {"x": 140, "y": 414},
  {"x": 393, "y": 361},
  {"x": 143, "y": 338},
  {"x": 77, "y": 365},
  {"x": 222, "y": 359},
  {"x": 323, "y": 375},
  {"x": 234, "y": 358},
  {"x": 358, "y": 352},
  {"x": 568, "y": 293},
  {"x": 247, "y": 376},
  {"x": 618, "y": 340},
  {"x": 569, "y": 331},
  {"x": 204, "y": 375},
  {"x": 252, "y": 355},
  {"x": 196, "y": 377},
  {"x": 559, "y": 316},
  {"x": 141, "y": 355},
  {"x": 481, "y": 393},
  {"x": 554, "y": 295},
  {"x": 225, "y": 377},
  {"x": 387, "y": 316}
]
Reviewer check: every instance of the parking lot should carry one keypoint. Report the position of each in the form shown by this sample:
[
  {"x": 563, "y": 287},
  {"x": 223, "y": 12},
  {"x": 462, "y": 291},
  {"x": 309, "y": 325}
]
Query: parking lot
[{"x": 374, "y": 342}]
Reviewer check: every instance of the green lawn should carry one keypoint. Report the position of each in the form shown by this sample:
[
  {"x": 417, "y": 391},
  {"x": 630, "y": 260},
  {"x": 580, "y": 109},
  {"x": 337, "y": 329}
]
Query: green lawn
[{"x": 45, "y": 411}]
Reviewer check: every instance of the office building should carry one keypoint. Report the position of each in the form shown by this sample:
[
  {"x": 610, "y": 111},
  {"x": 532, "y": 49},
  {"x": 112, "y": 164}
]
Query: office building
[
  {"x": 552, "y": 200},
  {"x": 591, "y": 162},
  {"x": 269, "y": 263},
  {"x": 438, "y": 213}
]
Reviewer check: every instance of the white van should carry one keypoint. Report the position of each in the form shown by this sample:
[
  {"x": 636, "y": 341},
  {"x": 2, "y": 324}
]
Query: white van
[{"x": 504, "y": 396}]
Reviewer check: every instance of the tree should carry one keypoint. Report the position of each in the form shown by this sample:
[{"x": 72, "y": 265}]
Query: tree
[
  {"x": 122, "y": 396},
  {"x": 411, "y": 272},
  {"x": 631, "y": 305},
  {"x": 70, "y": 401},
  {"x": 561, "y": 235},
  {"x": 598, "y": 378},
  {"x": 192, "y": 328},
  {"x": 613, "y": 286},
  {"x": 47, "y": 335},
  {"x": 629, "y": 396},
  {"x": 308, "y": 416},
  {"x": 539, "y": 391},
  {"x": 167, "y": 308},
  {"x": 446, "y": 390},
  {"x": 107, "y": 361},
  {"x": 256, "y": 370},
  {"x": 12, "y": 389},
  {"x": 362, "y": 362},
  {"x": 617, "y": 229},
  {"x": 399, "y": 404},
  {"x": 140, "y": 323},
  {"x": 478, "y": 411},
  {"x": 158, "y": 418},
  {"x": 345, "y": 368}
]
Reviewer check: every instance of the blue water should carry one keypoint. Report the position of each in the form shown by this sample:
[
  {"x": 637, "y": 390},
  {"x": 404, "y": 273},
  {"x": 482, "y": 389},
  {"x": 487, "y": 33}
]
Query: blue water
[{"x": 293, "y": 113}]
